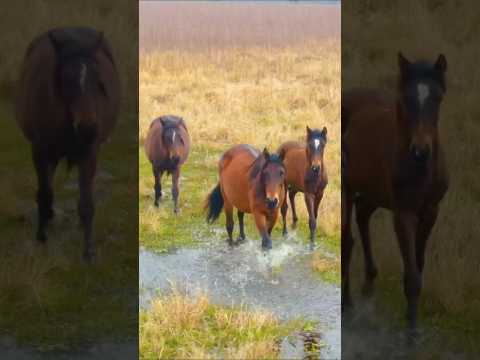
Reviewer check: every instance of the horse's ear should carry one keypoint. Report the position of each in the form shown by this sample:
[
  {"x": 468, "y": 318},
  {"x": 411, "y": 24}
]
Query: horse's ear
[
  {"x": 98, "y": 42},
  {"x": 309, "y": 131},
  {"x": 55, "y": 43},
  {"x": 403, "y": 64},
  {"x": 441, "y": 63},
  {"x": 266, "y": 154},
  {"x": 324, "y": 132}
]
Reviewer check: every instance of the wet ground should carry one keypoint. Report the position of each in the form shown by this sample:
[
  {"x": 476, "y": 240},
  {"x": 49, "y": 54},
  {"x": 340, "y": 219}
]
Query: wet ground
[{"x": 282, "y": 282}]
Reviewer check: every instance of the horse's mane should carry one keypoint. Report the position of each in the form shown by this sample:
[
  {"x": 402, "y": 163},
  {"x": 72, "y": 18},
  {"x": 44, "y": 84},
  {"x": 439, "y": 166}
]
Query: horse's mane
[{"x": 259, "y": 163}]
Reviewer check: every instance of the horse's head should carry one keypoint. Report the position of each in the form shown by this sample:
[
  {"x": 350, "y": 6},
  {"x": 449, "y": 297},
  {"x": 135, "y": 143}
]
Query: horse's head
[
  {"x": 421, "y": 89},
  {"x": 78, "y": 80},
  {"x": 316, "y": 141},
  {"x": 273, "y": 178},
  {"x": 173, "y": 142}
]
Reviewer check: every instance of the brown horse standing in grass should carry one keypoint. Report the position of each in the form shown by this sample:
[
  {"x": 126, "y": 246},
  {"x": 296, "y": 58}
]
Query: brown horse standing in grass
[
  {"x": 395, "y": 161},
  {"x": 167, "y": 147},
  {"x": 252, "y": 182},
  {"x": 67, "y": 105},
  {"x": 306, "y": 172}
]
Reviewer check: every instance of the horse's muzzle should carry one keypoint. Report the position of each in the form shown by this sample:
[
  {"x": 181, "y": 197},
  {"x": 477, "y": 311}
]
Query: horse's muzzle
[
  {"x": 316, "y": 169},
  {"x": 272, "y": 203},
  {"x": 420, "y": 154}
]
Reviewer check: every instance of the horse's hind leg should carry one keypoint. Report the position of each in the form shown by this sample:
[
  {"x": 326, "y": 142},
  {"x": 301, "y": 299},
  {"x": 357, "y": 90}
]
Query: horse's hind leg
[
  {"x": 406, "y": 227},
  {"x": 175, "y": 189},
  {"x": 158, "y": 185},
  {"x": 229, "y": 221},
  {"x": 86, "y": 207},
  {"x": 364, "y": 212},
  {"x": 241, "y": 225},
  {"x": 347, "y": 246},
  {"x": 427, "y": 219},
  {"x": 45, "y": 170},
  {"x": 291, "y": 196}
]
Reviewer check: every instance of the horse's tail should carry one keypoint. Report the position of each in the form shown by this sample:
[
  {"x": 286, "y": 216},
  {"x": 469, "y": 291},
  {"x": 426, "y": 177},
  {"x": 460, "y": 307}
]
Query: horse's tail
[
  {"x": 83, "y": 135},
  {"x": 214, "y": 204}
]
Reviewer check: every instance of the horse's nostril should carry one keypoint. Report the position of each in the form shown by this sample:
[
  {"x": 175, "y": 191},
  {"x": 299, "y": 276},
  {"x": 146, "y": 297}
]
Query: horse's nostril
[
  {"x": 272, "y": 203},
  {"x": 315, "y": 168},
  {"x": 421, "y": 155}
]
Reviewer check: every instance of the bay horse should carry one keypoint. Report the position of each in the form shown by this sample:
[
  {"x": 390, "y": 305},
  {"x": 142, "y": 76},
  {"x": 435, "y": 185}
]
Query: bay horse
[
  {"x": 254, "y": 183},
  {"x": 67, "y": 105},
  {"x": 167, "y": 148},
  {"x": 396, "y": 162},
  {"x": 305, "y": 172}
]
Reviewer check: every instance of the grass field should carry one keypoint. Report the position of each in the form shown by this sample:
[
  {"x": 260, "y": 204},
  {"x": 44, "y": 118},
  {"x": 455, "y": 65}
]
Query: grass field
[
  {"x": 49, "y": 297},
  {"x": 240, "y": 73},
  {"x": 177, "y": 326},
  {"x": 451, "y": 282}
]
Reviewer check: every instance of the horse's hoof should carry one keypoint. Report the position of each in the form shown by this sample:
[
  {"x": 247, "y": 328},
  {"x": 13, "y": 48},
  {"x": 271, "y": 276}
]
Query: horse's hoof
[
  {"x": 284, "y": 233},
  {"x": 312, "y": 245},
  {"x": 176, "y": 211},
  {"x": 266, "y": 246},
  {"x": 294, "y": 225},
  {"x": 240, "y": 239},
  {"x": 155, "y": 203}
]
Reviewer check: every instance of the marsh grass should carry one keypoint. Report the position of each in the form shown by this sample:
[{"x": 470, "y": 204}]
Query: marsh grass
[
  {"x": 49, "y": 297},
  {"x": 254, "y": 95},
  {"x": 451, "y": 282},
  {"x": 177, "y": 326}
]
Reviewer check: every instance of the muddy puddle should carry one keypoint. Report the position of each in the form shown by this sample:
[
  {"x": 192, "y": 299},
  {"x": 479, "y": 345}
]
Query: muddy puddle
[{"x": 281, "y": 282}]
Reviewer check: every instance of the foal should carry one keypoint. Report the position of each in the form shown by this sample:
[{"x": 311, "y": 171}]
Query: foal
[
  {"x": 395, "y": 161},
  {"x": 306, "y": 172},
  {"x": 167, "y": 147}
]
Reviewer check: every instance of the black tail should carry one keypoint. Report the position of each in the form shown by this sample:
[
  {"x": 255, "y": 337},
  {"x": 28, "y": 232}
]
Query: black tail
[{"x": 214, "y": 204}]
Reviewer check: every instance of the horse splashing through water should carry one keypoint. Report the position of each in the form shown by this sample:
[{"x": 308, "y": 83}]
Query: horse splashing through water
[
  {"x": 396, "y": 162},
  {"x": 252, "y": 182},
  {"x": 167, "y": 147},
  {"x": 306, "y": 172},
  {"x": 67, "y": 105}
]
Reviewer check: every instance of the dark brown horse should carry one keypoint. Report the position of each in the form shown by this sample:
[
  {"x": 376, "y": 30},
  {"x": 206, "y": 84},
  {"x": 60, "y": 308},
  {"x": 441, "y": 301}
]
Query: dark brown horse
[
  {"x": 252, "y": 182},
  {"x": 306, "y": 173},
  {"x": 395, "y": 161},
  {"x": 67, "y": 105},
  {"x": 167, "y": 146}
]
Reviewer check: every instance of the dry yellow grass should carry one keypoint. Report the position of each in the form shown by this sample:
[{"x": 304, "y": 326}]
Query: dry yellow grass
[
  {"x": 250, "y": 95},
  {"x": 178, "y": 326},
  {"x": 373, "y": 33}
]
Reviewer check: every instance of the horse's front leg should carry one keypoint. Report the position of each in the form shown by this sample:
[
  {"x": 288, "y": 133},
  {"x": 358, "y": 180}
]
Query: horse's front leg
[
  {"x": 45, "y": 169},
  {"x": 427, "y": 219},
  {"x": 284, "y": 210},
  {"x": 261, "y": 222},
  {"x": 406, "y": 223},
  {"x": 175, "y": 189},
  {"x": 157, "y": 174},
  {"x": 86, "y": 207},
  {"x": 312, "y": 221}
]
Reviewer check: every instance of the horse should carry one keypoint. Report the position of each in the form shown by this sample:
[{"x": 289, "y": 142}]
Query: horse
[
  {"x": 306, "y": 173},
  {"x": 396, "y": 162},
  {"x": 167, "y": 148},
  {"x": 254, "y": 183},
  {"x": 67, "y": 104}
]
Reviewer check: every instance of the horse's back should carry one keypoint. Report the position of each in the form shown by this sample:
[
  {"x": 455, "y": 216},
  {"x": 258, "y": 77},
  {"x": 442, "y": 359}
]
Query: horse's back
[
  {"x": 154, "y": 148},
  {"x": 295, "y": 162},
  {"x": 370, "y": 142},
  {"x": 234, "y": 169},
  {"x": 358, "y": 99}
]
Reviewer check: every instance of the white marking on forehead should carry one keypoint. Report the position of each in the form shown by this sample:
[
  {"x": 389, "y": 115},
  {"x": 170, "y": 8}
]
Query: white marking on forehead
[
  {"x": 316, "y": 143},
  {"x": 173, "y": 136},
  {"x": 83, "y": 74},
  {"x": 423, "y": 93}
]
